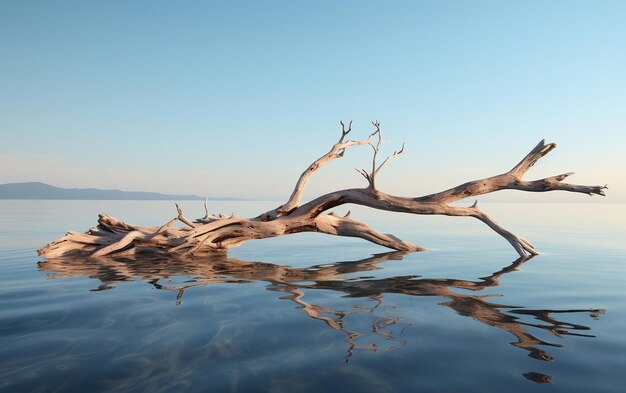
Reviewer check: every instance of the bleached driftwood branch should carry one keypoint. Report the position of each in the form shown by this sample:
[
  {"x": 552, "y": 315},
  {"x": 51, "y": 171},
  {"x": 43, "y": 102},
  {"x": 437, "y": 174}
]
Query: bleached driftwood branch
[{"x": 216, "y": 234}]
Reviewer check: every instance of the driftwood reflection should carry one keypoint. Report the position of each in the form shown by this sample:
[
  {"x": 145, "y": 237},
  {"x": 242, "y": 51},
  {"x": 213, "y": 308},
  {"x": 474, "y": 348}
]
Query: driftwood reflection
[{"x": 295, "y": 283}]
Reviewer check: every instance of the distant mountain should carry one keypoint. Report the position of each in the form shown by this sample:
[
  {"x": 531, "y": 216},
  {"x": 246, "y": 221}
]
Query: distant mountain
[{"x": 37, "y": 190}]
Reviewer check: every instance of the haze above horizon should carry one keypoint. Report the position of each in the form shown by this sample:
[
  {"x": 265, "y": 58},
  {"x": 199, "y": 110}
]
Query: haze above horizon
[{"x": 238, "y": 98}]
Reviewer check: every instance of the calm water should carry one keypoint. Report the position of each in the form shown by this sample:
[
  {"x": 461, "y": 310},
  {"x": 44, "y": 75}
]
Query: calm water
[{"x": 315, "y": 313}]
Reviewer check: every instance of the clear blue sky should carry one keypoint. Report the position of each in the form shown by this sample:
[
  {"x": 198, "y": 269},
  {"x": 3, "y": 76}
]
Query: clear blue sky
[{"x": 236, "y": 98}]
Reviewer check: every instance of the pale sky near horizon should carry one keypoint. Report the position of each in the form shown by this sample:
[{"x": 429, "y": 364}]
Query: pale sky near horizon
[{"x": 237, "y": 98}]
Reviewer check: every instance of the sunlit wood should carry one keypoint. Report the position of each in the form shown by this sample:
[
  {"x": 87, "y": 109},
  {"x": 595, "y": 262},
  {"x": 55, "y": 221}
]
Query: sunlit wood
[{"x": 217, "y": 234}]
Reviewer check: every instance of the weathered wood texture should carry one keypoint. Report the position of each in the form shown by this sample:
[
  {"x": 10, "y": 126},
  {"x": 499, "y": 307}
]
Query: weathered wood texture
[{"x": 216, "y": 234}]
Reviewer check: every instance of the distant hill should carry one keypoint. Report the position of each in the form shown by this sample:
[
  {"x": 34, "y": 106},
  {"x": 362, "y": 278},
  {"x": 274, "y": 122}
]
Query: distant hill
[{"x": 37, "y": 190}]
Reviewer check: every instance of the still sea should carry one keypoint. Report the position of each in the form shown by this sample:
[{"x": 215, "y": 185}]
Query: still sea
[{"x": 316, "y": 313}]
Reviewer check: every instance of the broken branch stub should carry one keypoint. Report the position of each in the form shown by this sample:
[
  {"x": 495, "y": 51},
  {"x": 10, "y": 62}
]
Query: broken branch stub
[{"x": 219, "y": 233}]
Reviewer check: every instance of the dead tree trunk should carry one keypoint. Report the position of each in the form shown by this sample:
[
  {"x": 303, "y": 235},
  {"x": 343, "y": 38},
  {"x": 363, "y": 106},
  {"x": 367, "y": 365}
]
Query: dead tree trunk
[{"x": 216, "y": 234}]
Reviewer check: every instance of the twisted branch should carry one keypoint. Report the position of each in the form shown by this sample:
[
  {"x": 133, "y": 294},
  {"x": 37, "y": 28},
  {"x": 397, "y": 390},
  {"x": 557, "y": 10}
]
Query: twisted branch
[
  {"x": 338, "y": 150},
  {"x": 216, "y": 234}
]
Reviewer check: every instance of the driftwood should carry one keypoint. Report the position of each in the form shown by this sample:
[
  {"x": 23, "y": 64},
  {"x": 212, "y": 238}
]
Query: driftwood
[{"x": 216, "y": 234}]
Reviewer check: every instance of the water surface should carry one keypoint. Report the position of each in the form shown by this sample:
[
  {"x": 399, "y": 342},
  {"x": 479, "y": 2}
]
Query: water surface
[{"x": 317, "y": 313}]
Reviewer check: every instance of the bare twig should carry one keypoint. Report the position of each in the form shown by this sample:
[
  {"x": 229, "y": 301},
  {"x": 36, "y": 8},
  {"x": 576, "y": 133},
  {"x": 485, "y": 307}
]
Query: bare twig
[{"x": 182, "y": 218}]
